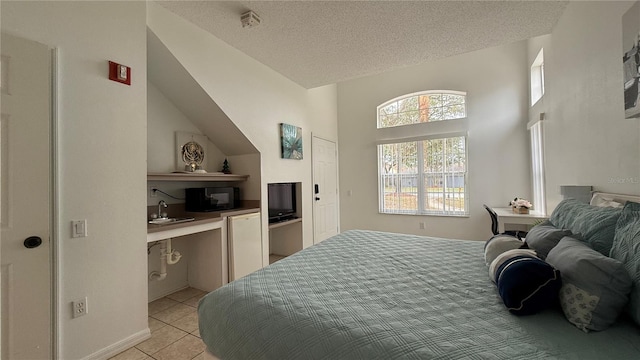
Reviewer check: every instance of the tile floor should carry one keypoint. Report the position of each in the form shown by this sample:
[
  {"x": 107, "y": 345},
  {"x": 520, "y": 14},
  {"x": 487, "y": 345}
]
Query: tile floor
[{"x": 173, "y": 322}]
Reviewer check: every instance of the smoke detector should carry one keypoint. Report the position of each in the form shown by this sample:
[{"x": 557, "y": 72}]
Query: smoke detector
[{"x": 250, "y": 19}]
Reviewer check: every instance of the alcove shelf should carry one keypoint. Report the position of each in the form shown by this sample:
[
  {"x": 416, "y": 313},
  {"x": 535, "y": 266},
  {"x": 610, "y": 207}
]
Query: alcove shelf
[{"x": 195, "y": 177}]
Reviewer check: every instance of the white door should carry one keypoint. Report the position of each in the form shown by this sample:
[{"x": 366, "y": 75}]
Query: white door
[
  {"x": 325, "y": 189},
  {"x": 25, "y": 190}
]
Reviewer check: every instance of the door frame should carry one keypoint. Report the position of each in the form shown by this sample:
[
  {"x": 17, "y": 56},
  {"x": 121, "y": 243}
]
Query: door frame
[
  {"x": 56, "y": 248},
  {"x": 313, "y": 212}
]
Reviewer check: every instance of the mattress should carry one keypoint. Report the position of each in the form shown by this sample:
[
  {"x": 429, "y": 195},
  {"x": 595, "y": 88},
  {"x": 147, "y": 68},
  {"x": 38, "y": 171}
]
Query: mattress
[{"x": 374, "y": 295}]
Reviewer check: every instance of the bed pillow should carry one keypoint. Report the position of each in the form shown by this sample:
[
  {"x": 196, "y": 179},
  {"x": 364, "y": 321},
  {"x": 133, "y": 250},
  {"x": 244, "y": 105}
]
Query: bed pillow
[
  {"x": 595, "y": 287},
  {"x": 499, "y": 244},
  {"x": 597, "y": 225},
  {"x": 626, "y": 249},
  {"x": 544, "y": 236},
  {"x": 527, "y": 285},
  {"x": 505, "y": 256}
]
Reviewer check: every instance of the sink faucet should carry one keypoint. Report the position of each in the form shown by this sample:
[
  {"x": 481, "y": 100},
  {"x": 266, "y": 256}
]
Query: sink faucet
[{"x": 161, "y": 204}]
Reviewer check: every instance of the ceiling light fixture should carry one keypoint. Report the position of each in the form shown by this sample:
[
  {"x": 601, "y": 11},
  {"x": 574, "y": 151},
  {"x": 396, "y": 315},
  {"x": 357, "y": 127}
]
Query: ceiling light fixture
[{"x": 250, "y": 19}]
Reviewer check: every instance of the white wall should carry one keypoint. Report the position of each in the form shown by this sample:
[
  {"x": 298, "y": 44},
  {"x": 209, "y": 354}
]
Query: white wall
[
  {"x": 495, "y": 80},
  {"x": 588, "y": 141},
  {"x": 102, "y": 157},
  {"x": 254, "y": 97},
  {"x": 164, "y": 119}
]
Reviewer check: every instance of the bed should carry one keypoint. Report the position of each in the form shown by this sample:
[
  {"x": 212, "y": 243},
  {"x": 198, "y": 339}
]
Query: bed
[{"x": 376, "y": 295}]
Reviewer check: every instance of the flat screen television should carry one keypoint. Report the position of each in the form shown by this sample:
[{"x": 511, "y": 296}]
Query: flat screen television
[{"x": 282, "y": 201}]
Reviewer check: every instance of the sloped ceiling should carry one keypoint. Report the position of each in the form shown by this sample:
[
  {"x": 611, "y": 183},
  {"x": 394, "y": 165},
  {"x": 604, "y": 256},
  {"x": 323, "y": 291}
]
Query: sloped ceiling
[
  {"x": 316, "y": 43},
  {"x": 175, "y": 82}
]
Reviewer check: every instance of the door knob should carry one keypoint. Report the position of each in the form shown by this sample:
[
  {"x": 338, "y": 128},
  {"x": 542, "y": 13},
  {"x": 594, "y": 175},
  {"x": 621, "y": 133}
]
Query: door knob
[
  {"x": 32, "y": 242},
  {"x": 317, "y": 198}
]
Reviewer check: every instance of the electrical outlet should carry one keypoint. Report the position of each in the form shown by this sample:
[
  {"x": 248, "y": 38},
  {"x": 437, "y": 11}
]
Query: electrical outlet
[
  {"x": 80, "y": 307},
  {"x": 422, "y": 225},
  {"x": 152, "y": 191}
]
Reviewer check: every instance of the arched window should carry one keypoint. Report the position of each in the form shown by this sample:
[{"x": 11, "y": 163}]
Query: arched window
[
  {"x": 422, "y": 107},
  {"x": 422, "y": 168}
]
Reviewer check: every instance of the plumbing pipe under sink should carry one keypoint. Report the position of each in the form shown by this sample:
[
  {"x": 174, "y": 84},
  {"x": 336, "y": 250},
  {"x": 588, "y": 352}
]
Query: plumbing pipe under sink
[{"x": 167, "y": 256}]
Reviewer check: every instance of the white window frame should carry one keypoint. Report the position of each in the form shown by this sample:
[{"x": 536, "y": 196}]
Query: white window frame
[
  {"x": 536, "y": 133},
  {"x": 449, "y": 128},
  {"x": 537, "y": 78}
]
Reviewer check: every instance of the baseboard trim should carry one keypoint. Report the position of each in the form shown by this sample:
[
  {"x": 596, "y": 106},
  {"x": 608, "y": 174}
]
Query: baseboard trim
[{"x": 120, "y": 346}]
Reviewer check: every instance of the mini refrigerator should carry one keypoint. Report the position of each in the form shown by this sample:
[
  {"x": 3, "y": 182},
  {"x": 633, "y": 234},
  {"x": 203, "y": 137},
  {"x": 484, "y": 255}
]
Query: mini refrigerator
[{"x": 245, "y": 245}]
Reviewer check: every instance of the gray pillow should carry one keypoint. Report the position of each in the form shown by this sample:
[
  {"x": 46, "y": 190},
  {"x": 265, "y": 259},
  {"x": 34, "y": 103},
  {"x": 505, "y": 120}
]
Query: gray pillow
[
  {"x": 625, "y": 248},
  {"x": 543, "y": 237},
  {"x": 596, "y": 225},
  {"x": 595, "y": 288}
]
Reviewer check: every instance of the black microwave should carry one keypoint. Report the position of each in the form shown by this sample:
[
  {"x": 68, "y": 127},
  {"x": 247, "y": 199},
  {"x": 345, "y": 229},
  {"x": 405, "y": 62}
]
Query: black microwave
[{"x": 211, "y": 198}]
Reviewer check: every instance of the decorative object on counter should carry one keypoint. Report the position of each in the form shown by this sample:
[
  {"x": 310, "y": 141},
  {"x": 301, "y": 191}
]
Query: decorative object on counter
[
  {"x": 225, "y": 167},
  {"x": 191, "y": 152},
  {"x": 520, "y": 206},
  {"x": 291, "y": 141}
]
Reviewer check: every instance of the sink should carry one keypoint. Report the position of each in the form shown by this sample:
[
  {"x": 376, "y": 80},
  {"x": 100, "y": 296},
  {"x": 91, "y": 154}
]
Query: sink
[{"x": 165, "y": 221}]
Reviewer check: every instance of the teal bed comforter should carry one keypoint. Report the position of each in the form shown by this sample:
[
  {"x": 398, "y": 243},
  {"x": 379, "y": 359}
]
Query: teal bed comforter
[{"x": 375, "y": 295}]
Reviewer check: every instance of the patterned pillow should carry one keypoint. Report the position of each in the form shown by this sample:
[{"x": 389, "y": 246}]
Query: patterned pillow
[
  {"x": 626, "y": 249},
  {"x": 597, "y": 225},
  {"x": 595, "y": 287},
  {"x": 499, "y": 244},
  {"x": 543, "y": 237},
  {"x": 528, "y": 285}
]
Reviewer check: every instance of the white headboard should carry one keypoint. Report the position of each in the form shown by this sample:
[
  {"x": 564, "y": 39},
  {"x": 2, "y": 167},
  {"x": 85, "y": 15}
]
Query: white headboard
[{"x": 602, "y": 198}]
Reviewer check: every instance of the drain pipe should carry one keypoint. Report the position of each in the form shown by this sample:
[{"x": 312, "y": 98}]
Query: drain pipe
[{"x": 167, "y": 256}]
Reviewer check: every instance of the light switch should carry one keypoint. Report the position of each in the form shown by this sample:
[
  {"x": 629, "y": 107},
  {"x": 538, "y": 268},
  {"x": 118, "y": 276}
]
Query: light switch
[{"x": 78, "y": 228}]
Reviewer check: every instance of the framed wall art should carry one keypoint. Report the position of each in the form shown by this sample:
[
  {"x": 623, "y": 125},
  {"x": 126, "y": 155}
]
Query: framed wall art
[
  {"x": 631, "y": 61},
  {"x": 291, "y": 141}
]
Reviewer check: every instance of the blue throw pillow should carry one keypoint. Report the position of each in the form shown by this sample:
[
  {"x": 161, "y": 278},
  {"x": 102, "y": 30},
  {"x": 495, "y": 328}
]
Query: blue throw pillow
[{"x": 527, "y": 285}]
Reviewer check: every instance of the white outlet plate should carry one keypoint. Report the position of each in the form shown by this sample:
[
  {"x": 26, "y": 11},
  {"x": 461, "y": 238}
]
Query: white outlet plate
[
  {"x": 151, "y": 192},
  {"x": 79, "y": 307}
]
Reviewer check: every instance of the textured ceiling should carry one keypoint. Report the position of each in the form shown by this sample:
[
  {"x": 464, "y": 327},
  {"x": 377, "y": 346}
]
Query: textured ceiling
[{"x": 316, "y": 43}]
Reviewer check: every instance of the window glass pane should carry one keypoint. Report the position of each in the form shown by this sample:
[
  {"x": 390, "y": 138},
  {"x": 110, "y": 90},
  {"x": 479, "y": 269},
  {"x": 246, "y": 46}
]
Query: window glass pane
[
  {"x": 390, "y": 109},
  {"x": 453, "y": 112},
  {"x": 435, "y": 114},
  {"x": 451, "y": 99},
  {"x": 407, "y": 104},
  {"x": 389, "y": 120},
  {"x": 409, "y": 117},
  {"x": 435, "y": 100},
  {"x": 422, "y": 108},
  {"x": 428, "y": 177}
]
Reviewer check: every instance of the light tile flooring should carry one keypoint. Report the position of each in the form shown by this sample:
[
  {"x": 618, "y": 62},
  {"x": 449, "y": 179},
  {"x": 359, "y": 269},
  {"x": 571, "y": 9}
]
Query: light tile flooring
[{"x": 173, "y": 322}]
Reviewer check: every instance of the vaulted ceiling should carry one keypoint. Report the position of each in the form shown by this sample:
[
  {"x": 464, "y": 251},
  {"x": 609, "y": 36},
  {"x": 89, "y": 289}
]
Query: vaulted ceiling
[{"x": 316, "y": 43}]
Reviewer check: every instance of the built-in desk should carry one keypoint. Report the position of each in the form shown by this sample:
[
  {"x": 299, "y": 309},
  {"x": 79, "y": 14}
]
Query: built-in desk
[{"x": 507, "y": 216}]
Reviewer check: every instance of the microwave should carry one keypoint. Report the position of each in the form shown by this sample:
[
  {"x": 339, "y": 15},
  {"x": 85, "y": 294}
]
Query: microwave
[{"x": 211, "y": 198}]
